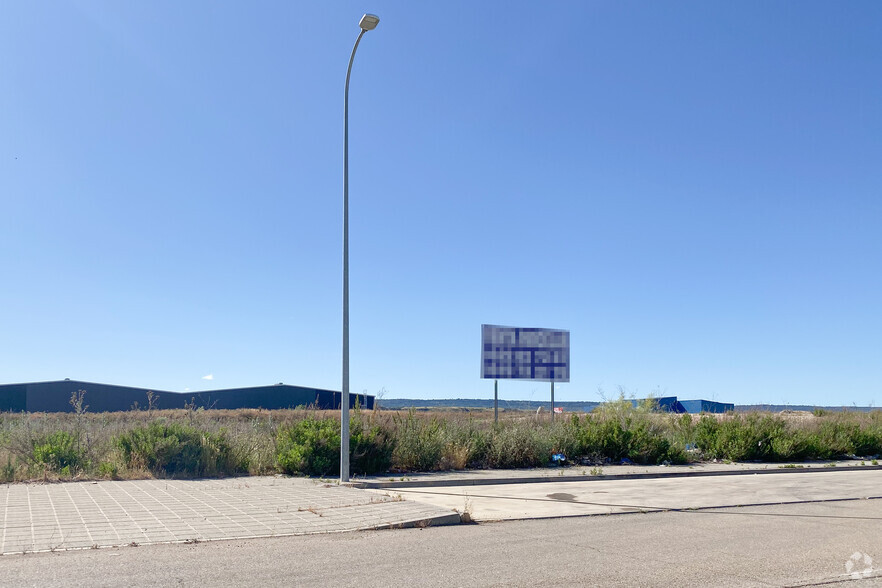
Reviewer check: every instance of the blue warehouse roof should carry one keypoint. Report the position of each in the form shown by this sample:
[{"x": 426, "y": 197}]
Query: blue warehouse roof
[{"x": 671, "y": 404}]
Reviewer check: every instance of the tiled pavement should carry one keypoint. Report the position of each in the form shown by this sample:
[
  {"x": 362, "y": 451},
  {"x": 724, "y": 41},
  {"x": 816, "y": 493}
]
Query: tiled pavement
[{"x": 81, "y": 515}]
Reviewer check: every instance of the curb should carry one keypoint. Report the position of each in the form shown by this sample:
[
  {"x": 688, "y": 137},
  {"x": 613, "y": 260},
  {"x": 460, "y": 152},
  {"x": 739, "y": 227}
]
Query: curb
[
  {"x": 454, "y": 518},
  {"x": 428, "y": 483},
  {"x": 687, "y": 509}
]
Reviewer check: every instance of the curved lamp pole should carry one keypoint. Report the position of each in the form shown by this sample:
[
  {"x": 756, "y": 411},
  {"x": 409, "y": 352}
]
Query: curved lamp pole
[{"x": 367, "y": 23}]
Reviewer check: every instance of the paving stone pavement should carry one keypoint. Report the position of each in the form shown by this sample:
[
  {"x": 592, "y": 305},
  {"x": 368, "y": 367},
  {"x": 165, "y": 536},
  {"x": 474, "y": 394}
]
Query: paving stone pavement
[{"x": 82, "y": 515}]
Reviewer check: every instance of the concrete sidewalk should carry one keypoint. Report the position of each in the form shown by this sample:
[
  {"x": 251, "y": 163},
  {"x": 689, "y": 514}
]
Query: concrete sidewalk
[
  {"x": 555, "y": 498},
  {"x": 578, "y": 473},
  {"x": 83, "y": 515}
]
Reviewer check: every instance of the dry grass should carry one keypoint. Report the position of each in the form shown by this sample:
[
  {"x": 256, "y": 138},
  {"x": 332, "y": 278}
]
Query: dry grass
[{"x": 423, "y": 440}]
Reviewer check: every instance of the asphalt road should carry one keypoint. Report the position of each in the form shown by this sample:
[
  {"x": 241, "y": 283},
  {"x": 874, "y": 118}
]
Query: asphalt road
[{"x": 804, "y": 544}]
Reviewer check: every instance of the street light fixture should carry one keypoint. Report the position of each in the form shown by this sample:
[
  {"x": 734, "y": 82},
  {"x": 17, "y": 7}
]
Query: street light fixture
[{"x": 367, "y": 23}]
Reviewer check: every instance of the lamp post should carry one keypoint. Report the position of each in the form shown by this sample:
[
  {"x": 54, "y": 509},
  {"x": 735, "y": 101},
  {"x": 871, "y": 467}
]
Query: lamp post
[{"x": 367, "y": 23}]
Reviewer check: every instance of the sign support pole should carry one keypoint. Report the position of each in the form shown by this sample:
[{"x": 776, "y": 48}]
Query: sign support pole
[
  {"x": 495, "y": 401},
  {"x": 552, "y": 401}
]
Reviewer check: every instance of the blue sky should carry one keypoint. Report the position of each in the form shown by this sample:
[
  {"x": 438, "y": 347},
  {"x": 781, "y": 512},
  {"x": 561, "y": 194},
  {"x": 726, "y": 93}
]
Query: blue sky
[{"x": 691, "y": 188}]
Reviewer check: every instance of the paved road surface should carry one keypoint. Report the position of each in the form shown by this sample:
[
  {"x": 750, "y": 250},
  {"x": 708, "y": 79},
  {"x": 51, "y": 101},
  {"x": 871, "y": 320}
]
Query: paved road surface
[{"x": 759, "y": 546}]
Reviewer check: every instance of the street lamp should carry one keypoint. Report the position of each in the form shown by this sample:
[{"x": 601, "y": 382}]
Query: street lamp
[{"x": 367, "y": 23}]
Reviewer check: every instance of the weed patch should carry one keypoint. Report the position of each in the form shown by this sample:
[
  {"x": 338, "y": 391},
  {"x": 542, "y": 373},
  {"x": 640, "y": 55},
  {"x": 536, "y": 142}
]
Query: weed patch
[
  {"x": 175, "y": 449},
  {"x": 370, "y": 445},
  {"x": 197, "y": 442},
  {"x": 311, "y": 447},
  {"x": 419, "y": 443},
  {"x": 60, "y": 452}
]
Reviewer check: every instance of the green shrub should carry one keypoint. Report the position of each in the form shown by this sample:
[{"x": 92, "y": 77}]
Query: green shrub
[
  {"x": 842, "y": 435},
  {"x": 59, "y": 451},
  {"x": 607, "y": 430},
  {"x": 311, "y": 446},
  {"x": 755, "y": 437},
  {"x": 8, "y": 472},
  {"x": 732, "y": 439},
  {"x": 467, "y": 445},
  {"x": 603, "y": 437},
  {"x": 682, "y": 430},
  {"x": 370, "y": 446},
  {"x": 705, "y": 435},
  {"x": 791, "y": 444},
  {"x": 771, "y": 432},
  {"x": 618, "y": 430},
  {"x": 736, "y": 438},
  {"x": 565, "y": 436},
  {"x": 868, "y": 441},
  {"x": 419, "y": 444},
  {"x": 649, "y": 446},
  {"x": 836, "y": 438},
  {"x": 519, "y": 445},
  {"x": 108, "y": 470},
  {"x": 177, "y": 449}
]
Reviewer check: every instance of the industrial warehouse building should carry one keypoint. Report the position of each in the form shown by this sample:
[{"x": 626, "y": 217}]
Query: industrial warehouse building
[
  {"x": 671, "y": 404},
  {"x": 55, "y": 397}
]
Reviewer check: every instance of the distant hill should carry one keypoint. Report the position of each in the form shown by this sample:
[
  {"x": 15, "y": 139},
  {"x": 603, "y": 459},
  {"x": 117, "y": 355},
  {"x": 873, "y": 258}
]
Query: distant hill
[
  {"x": 803, "y": 407},
  {"x": 583, "y": 406}
]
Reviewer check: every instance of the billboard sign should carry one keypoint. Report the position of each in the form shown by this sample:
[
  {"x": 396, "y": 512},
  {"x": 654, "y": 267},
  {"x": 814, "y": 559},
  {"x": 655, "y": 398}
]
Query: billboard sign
[{"x": 525, "y": 354}]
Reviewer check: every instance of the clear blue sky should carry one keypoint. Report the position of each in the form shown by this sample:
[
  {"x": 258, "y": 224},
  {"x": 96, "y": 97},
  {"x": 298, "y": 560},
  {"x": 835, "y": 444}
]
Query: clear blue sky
[{"x": 693, "y": 189}]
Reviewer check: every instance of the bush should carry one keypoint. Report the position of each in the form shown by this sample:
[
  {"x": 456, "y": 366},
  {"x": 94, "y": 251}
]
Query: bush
[
  {"x": 7, "y": 473},
  {"x": 736, "y": 438},
  {"x": 605, "y": 438},
  {"x": 419, "y": 444},
  {"x": 311, "y": 446},
  {"x": 370, "y": 446},
  {"x": 835, "y": 438},
  {"x": 682, "y": 429},
  {"x": 108, "y": 470},
  {"x": 649, "y": 446},
  {"x": 618, "y": 430},
  {"x": 565, "y": 437},
  {"x": 839, "y": 437},
  {"x": 868, "y": 441},
  {"x": 178, "y": 450},
  {"x": 59, "y": 451},
  {"x": 519, "y": 445},
  {"x": 705, "y": 435},
  {"x": 467, "y": 444},
  {"x": 792, "y": 445},
  {"x": 755, "y": 437}
]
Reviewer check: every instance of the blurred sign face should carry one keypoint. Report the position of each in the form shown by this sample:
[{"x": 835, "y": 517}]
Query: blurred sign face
[{"x": 525, "y": 354}]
